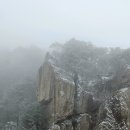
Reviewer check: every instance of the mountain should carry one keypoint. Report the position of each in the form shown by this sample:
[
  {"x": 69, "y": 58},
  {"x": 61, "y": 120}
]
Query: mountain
[{"x": 85, "y": 87}]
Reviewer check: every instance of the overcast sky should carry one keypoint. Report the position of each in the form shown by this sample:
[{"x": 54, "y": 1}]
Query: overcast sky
[{"x": 42, "y": 22}]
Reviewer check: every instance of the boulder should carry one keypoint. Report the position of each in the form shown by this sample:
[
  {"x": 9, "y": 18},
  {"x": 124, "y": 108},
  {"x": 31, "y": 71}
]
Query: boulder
[
  {"x": 80, "y": 122},
  {"x": 55, "y": 127},
  {"x": 83, "y": 122}
]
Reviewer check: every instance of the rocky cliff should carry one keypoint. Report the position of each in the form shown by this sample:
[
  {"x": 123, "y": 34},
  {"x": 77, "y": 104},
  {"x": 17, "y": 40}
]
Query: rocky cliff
[
  {"x": 57, "y": 89},
  {"x": 55, "y": 92}
]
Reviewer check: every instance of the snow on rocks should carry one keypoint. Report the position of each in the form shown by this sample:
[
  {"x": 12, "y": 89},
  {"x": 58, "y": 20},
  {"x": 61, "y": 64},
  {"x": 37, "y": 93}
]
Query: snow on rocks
[
  {"x": 123, "y": 89},
  {"x": 117, "y": 111}
]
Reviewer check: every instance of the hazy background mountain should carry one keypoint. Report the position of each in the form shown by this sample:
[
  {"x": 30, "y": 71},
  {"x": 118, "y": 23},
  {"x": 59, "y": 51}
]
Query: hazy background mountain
[{"x": 19, "y": 65}]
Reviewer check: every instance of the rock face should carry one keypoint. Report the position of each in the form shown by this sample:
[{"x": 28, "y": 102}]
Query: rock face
[
  {"x": 80, "y": 122},
  {"x": 114, "y": 114},
  {"x": 55, "y": 92}
]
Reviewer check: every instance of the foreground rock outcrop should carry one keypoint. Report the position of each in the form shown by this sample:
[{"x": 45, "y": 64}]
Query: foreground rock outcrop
[
  {"x": 57, "y": 91},
  {"x": 80, "y": 122},
  {"x": 114, "y": 114}
]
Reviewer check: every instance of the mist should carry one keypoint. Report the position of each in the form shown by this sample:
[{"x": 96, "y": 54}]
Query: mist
[
  {"x": 64, "y": 65},
  {"x": 105, "y": 23}
]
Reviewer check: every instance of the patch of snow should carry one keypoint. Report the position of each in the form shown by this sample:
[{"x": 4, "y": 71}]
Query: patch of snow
[
  {"x": 128, "y": 67},
  {"x": 87, "y": 92},
  {"x": 124, "y": 89},
  {"x": 80, "y": 90},
  {"x": 105, "y": 78},
  {"x": 56, "y": 127},
  {"x": 62, "y": 93},
  {"x": 46, "y": 99},
  {"x": 62, "y": 74},
  {"x": 91, "y": 83}
]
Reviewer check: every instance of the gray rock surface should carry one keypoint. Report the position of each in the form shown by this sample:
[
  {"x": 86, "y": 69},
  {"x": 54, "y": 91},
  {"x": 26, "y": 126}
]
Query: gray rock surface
[
  {"x": 114, "y": 114},
  {"x": 56, "y": 90}
]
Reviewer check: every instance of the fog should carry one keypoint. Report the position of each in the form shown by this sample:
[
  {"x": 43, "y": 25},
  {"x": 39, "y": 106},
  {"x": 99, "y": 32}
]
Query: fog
[
  {"x": 31, "y": 22},
  {"x": 61, "y": 61}
]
